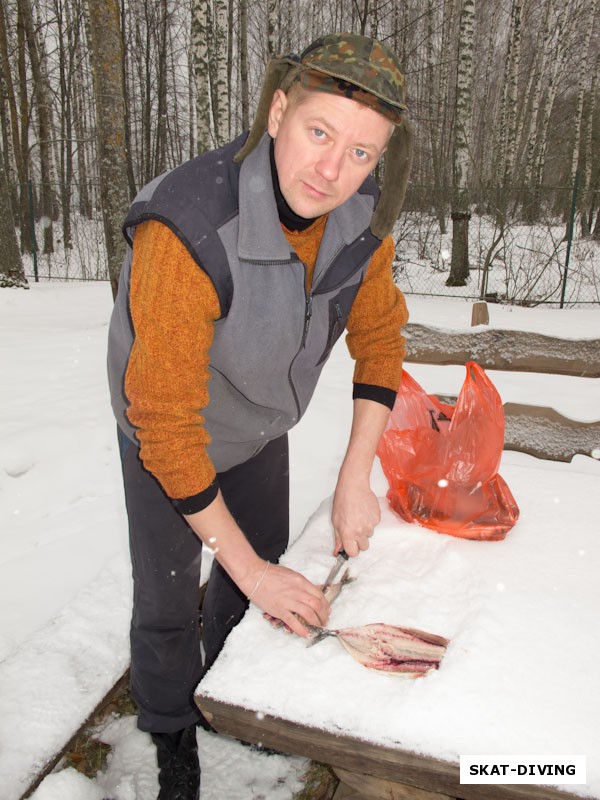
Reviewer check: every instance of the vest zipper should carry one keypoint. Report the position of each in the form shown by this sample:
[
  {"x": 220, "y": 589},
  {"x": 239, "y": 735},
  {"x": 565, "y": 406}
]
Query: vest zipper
[
  {"x": 334, "y": 330},
  {"x": 307, "y": 316}
]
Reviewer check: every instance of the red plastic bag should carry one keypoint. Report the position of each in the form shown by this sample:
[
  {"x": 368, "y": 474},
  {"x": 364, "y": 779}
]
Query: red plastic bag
[{"x": 442, "y": 461}]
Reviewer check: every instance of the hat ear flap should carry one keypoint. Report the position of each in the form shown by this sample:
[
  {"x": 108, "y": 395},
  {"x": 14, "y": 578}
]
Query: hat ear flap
[
  {"x": 274, "y": 76},
  {"x": 397, "y": 170}
]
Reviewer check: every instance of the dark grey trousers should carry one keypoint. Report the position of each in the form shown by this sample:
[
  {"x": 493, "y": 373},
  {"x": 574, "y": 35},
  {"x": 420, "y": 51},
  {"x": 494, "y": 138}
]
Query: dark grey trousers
[{"x": 166, "y": 663}]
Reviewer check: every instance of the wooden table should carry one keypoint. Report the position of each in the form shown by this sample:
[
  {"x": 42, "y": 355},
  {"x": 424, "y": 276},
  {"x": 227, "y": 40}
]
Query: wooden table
[
  {"x": 379, "y": 770},
  {"x": 259, "y": 686}
]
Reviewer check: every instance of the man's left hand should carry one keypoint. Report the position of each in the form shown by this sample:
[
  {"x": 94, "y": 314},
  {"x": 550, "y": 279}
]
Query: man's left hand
[{"x": 354, "y": 516}]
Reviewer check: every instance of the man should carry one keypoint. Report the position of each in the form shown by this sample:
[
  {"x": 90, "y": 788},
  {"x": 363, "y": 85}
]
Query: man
[{"x": 247, "y": 265}]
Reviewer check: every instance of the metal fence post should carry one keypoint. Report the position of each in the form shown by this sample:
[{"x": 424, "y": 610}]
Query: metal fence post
[
  {"x": 32, "y": 222},
  {"x": 570, "y": 238}
]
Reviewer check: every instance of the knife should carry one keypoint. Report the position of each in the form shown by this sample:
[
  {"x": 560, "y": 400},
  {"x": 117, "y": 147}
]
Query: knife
[{"x": 339, "y": 563}]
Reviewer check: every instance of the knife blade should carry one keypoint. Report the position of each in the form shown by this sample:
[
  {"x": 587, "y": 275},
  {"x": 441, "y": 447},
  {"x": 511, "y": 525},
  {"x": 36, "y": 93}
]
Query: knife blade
[{"x": 341, "y": 559}]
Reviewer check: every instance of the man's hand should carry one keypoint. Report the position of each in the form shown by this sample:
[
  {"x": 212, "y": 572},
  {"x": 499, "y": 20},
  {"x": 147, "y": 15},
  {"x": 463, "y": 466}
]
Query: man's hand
[
  {"x": 279, "y": 591},
  {"x": 354, "y": 516},
  {"x": 290, "y": 597},
  {"x": 355, "y": 507}
]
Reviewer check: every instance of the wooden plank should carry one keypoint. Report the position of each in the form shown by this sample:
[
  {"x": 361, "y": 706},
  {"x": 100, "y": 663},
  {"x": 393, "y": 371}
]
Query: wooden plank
[
  {"x": 91, "y": 719},
  {"x": 516, "y": 351},
  {"x": 368, "y": 787},
  {"x": 359, "y": 756},
  {"x": 480, "y": 314},
  {"x": 544, "y": 433}
]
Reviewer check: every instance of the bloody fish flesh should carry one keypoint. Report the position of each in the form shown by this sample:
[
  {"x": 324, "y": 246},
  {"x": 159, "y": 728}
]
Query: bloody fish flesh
[
  {"x": 409, "y": 652},
  {"x": 406, "y": 651}
]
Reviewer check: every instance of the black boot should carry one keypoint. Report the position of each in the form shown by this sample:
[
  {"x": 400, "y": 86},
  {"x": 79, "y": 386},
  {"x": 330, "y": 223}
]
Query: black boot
[{"x": 179, "y": 768}]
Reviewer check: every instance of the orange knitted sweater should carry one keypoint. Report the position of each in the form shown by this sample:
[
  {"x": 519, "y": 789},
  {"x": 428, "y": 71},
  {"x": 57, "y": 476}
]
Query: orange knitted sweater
[{"x": 174, "y": 306}]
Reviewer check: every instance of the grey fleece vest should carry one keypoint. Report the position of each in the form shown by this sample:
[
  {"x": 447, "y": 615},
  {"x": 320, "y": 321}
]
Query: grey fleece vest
[{"x": 272, "y": 339}]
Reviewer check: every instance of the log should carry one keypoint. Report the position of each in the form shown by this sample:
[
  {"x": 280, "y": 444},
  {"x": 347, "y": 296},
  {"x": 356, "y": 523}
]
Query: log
[
  {"x": 359, "y": 756},
  {"x": 516, "y": 351}
]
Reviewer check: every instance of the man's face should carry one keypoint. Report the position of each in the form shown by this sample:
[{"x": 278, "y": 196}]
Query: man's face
[{"x": 325, "y": 146}]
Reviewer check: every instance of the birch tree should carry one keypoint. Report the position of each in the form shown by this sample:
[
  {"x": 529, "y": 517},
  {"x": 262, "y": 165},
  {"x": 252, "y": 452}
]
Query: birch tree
[
  {"x": 511, "y": 92},
  {"x": 243, "y": 47},
  {"x": 222, "y": 84},
  {"x": 459, "y": 267},
  {"x": 201, "y": 16},
  {"x": 586, "y": 183},
  {"x": 530, "y": 128},
  {"x": 106, "y": 54},
  {"x": 271, "y": 27},
  {"x": 560, "y": 52},
  {"x": 437, "y": 91}
]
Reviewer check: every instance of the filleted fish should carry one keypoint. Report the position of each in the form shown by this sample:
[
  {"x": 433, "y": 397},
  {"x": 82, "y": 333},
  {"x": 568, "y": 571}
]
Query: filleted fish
[{"x": 407, "y": 651}]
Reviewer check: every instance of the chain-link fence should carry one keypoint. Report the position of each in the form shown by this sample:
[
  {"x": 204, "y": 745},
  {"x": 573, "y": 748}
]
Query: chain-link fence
[
  {"x": 553, "y": 260},
  {"x": 548, "y": 261}
]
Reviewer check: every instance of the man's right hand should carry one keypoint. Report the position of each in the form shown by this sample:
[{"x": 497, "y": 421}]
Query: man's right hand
[{"x": 288, "y": 596}]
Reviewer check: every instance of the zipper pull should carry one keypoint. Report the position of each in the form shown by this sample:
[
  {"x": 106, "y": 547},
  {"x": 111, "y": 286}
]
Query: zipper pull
[{"x": 307, "y": 316}]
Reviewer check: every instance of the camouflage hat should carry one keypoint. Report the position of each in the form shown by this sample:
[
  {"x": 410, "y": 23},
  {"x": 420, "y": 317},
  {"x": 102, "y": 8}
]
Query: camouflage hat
[
  {"x": 363, "y": 70},
  {"x": 357, "y": 67}
]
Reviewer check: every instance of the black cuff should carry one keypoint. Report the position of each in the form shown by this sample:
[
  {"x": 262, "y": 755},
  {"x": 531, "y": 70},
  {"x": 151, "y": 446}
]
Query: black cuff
[
  {"x": 197, "y": 502},
  {"x": 366, "y": 391}
]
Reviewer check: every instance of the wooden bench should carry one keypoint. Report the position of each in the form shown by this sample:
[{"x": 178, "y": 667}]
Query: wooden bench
[
  {"x": 538, "y": 430},
  {"x": 372, "y": 772}
]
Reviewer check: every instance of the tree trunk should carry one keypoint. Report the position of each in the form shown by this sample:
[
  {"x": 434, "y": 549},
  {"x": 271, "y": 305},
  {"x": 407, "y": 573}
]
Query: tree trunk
[
  {"x": 230, "y": 28},
  {"x": 160, "y": 144},
  {"x": 222, "y": 86},
  {"x": 11, "y": 265},
  {"x": 200, "y": 38},
  {"x": 560, "y": 51},
  {"x": 110, "y": 127},
  {"x": 127, "y": 119},
  {"x": 271, "y": 27},
  {"x": 434, "y": 120},
  {"x": 586, "y": 198},
  {"x": 42, "y": 97},
  {"x": 577, "y": 122},
  {"x": 19, "y": 147},
  {"x": 374, "y": 19},
  {"x": 534, "y": 109},
  {"x": 459, "y": 267},
  {"x": 512, "y": 76},
  {"x": 27, "y": 233},
  {"x": 81, "y": 132},
  {"x": 243, "y": 46},
  {"x": 67, "y": 47}
]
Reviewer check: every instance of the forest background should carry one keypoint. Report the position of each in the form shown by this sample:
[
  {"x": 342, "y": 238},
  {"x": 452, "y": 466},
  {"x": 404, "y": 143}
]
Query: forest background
[{"x": 100, "y": 96}]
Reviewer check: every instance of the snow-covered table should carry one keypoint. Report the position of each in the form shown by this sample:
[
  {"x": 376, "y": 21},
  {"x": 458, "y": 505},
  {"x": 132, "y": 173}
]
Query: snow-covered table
[{"x": 520, "y": 675}]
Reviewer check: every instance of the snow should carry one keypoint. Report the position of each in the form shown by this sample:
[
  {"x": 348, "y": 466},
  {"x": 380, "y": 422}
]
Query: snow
[{"x": 65, "y": 582}]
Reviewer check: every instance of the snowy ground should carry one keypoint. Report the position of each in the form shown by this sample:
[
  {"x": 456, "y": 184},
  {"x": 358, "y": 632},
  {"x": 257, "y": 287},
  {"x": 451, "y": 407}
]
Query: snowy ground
[{"x": 64, "y": 578}]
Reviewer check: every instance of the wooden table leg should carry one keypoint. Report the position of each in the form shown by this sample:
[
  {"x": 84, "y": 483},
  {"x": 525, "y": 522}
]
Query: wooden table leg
[{"x": 357, "y": 786}]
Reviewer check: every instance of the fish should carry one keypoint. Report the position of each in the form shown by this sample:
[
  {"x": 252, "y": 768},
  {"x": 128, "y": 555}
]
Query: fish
[
  {"x": 331, "y": 593},
  {"x": 409, "y": 652}
]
